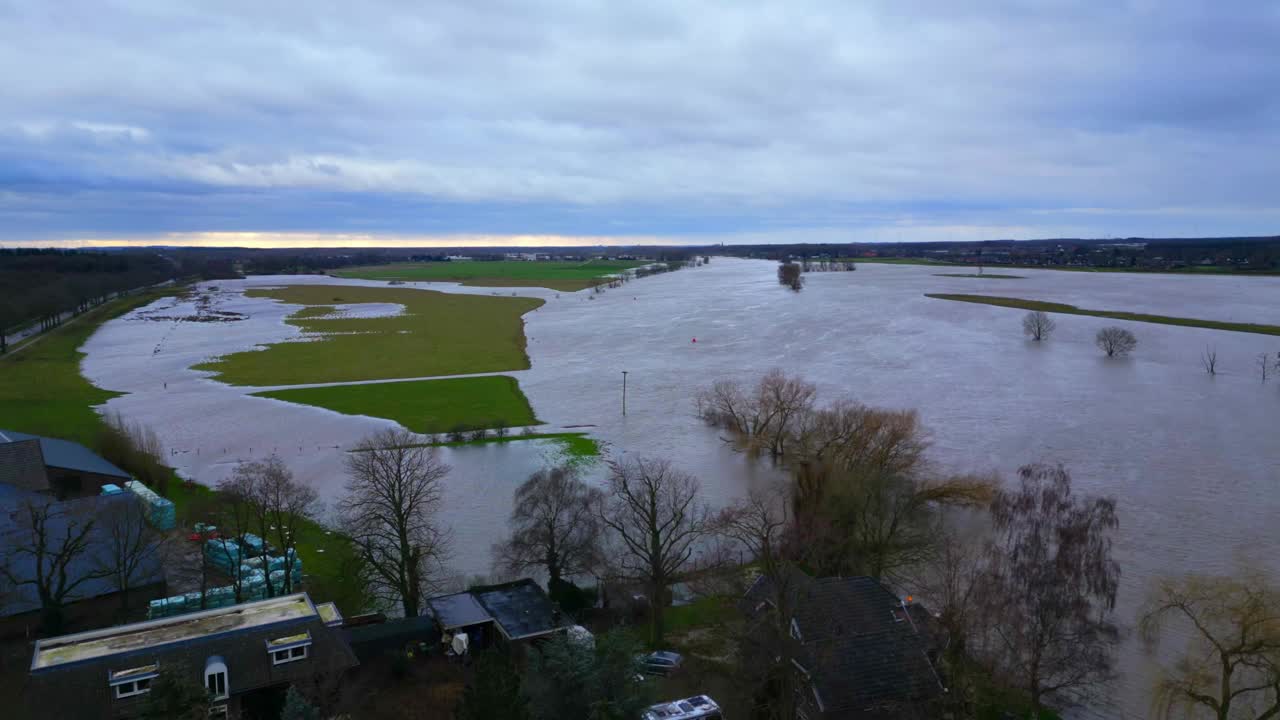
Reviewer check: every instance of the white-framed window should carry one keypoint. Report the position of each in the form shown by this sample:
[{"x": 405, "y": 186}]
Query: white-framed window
[
  {"x": 218, "y": 712},
  {"x": 283, "y": 656},
  {"x": 215, "y": 678},
  {"x": 133, "y": 687},
  {"x": 289, "y": 649},
  {"x": 133, "y": 681}
]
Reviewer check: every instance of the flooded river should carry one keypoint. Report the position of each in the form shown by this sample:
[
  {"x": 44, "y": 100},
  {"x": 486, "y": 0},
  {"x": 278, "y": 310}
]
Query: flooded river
[{"x": 1193, "y": 460}]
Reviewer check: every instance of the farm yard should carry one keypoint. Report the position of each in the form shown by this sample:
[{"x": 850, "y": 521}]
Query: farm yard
[{"x": 555, "y": 275}]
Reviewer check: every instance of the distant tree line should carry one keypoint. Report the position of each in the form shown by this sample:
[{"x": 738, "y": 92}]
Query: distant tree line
[{"x": 46, "y": 287}]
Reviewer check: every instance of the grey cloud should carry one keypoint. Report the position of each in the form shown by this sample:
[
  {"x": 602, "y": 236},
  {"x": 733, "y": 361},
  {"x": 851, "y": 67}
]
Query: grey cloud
[{"x": 733, "y": 108}]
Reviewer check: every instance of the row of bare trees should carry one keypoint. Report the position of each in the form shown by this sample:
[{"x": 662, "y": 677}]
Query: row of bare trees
[{"x": 1113, "y": 340}]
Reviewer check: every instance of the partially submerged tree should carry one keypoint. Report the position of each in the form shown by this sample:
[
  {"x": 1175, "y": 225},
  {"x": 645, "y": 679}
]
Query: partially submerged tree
[
  {"x": 49, "y": 552},
  {"x": 863, "y": 498},
  {"x": 394, "y": 492},
  {"x": 1209, "y": 358},
  {"x": 1049, "y": 588},
  {"x": 130, "y": 548},
  {"x": 555, "y": 526},
  {"x": 654, "y": 513},
  {"x": 1115, "y": 341},
  {"x": 789, "y": 275},
  {"x": 763, "y": 418},
  {"x": 1231, "y": 663},
  {"x": 1264, "y": 366},
  {"x": 1037, "y": 325}
]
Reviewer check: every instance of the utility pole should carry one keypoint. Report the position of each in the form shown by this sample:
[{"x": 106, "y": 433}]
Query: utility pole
[{"x": 624, "y": 392}]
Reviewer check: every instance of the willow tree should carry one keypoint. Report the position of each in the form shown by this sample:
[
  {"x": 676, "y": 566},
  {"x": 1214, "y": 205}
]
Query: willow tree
[
  {"x": 1050, "y": 588},
  {"x": 1230, "y": 664}
]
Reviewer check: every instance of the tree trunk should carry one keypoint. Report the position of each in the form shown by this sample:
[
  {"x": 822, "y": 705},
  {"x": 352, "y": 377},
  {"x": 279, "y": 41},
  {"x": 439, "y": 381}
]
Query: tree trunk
[{"x": 656, "y": 609}]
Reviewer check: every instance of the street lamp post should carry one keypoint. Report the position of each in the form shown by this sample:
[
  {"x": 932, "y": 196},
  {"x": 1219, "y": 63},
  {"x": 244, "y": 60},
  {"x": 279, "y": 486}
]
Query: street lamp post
[{"x": 624, "y": 392}]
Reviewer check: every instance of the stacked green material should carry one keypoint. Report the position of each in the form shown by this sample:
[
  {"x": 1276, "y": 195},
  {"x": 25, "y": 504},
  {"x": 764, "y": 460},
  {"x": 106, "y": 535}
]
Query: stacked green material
[{"x": 160, "y": 511}]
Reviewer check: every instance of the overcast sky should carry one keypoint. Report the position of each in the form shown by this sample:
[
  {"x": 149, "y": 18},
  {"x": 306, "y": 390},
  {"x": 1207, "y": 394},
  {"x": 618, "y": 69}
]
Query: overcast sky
[{"x": 376, "y": 122}]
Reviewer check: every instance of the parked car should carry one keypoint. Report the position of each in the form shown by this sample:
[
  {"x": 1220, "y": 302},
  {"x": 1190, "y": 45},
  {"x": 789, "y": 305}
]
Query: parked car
[
  {"x": 662, "y": 662},
  {"x": 699, "y": 707}
]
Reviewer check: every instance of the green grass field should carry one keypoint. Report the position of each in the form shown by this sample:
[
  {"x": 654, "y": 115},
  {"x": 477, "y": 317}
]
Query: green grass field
[
  {"x": 425, "y": 406},
  {"x": 984, "y": 276},
  {"x": 555, "y": 275},
  {"x": 41, "y": 389},
  {"x": 438, "y": 334},
  {"x": 1113, "y": 314}
]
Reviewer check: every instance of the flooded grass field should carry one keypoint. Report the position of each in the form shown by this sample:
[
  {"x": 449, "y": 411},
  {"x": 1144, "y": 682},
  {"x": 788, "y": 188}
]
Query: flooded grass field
[{"x": 1192, "y": 459}]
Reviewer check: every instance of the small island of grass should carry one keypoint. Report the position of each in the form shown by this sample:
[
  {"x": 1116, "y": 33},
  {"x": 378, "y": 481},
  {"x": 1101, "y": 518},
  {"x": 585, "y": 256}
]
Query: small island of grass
[{"x": 1066, "y": 309}]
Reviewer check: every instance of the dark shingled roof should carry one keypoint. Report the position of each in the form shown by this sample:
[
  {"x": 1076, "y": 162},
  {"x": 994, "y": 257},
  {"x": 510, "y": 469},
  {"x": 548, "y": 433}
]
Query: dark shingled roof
[
  {"x": 67, "y": 455},
  {"x": 861, "y": 648},
  {"x": 520, "y": 608},
  {"x": 22, "y": 465}
]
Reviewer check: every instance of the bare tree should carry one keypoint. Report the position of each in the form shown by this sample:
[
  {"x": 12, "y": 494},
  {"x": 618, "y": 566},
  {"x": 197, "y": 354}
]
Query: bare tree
[
  {"x": 1050, "y": 587},
  {"x": 236, "y": 512},
  {"x": 1115, "y": 341},
  {"x": 763, "y": 419},
  {"x": 130, "y": 547},
  {"x": 1210, "y": 360},
  {"x": 278, "y": 504},
  {"x": 1037, "y": 325},
  {"x": 555, "y": 526},
  {"x": 654, "y": 513},
  {"x": 1264, "y": 365},
  {"x": 1232, "y": 663},
  {"x": 393, "y": 495},
  {"x": 45, "y": 553}
]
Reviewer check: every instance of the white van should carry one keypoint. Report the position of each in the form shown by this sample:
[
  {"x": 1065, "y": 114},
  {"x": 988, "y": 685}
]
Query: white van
[{"x": 700, "y": 707}]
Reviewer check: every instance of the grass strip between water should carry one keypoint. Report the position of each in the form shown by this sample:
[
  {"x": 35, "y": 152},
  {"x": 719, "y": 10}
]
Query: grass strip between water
[
  {"x": 555, "y": 275},
  {"x": 1063, "y": 308},
  {"x": 425, "y": 406}
]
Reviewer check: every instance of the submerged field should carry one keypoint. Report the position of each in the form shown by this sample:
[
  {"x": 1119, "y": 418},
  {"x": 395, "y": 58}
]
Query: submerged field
[
  {"x": 434, "y": 334},
  {"x": 566, "y": 276},
  {"x": 425, "y": 406},
  {"x": 1065, "y": 309}
]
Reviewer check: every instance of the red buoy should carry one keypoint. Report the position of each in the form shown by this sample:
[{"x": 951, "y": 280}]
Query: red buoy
[{"x": 695, "y": 339}]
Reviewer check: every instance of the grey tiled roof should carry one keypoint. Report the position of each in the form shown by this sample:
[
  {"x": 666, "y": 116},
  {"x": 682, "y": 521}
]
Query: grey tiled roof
[
  {"x": 857, "y": 642},
  {"x": 22, "y": 465},
  {"x": 66, "y": 454}
]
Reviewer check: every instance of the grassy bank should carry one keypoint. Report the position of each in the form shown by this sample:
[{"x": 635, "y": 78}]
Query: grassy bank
[
  {"x": 436, "y": 334},
  {"x": 41, "y": 389},
  {"x": 567, "y": 276},
  {"x": 1113, "y": 314},
  {"x": 425, "y": 406},
  {"x": 984, "y": 276}
]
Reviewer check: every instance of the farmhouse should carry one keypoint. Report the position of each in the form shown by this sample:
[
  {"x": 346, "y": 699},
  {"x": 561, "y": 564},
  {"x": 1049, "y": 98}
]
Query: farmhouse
[
  {"x": 61, "y": 468},
  {"x": 246, "y": 655}
]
